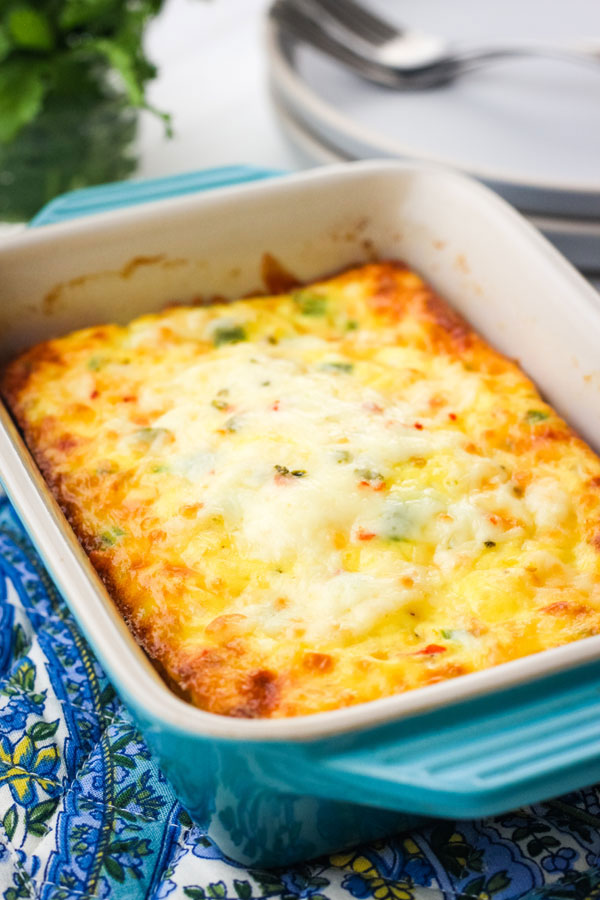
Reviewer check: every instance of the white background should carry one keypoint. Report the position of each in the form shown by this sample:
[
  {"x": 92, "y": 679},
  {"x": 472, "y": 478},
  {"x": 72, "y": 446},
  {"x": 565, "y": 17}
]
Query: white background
[{"x": 212, "y": 78}]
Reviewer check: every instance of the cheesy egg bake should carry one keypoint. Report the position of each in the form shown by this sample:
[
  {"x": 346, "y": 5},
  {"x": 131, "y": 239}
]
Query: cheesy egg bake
[{"x": 306, "y": 501}]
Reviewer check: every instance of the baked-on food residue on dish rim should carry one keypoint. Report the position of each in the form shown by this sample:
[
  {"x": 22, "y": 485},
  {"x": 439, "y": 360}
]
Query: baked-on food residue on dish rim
[{"x": 307, "y": 501}]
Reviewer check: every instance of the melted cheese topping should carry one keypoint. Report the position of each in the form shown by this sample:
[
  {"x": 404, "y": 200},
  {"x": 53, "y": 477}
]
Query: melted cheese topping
[{"x": 311, "y": 500}]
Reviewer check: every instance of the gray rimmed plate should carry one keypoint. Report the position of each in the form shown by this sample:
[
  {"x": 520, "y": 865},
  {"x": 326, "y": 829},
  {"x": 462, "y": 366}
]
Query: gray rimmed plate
[{"x": 529, "y": 129}]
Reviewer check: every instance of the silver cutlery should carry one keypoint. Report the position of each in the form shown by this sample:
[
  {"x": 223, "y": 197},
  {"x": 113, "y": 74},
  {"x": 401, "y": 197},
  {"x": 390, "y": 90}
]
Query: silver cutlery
[{"x": 399, "y": 57}]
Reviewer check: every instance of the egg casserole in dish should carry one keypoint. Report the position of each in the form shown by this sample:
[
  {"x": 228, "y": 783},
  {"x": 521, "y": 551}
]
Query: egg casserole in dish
[{"x": 311, "y": 500}]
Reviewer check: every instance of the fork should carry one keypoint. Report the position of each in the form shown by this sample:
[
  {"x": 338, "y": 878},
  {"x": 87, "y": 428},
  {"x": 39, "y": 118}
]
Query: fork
[{"x": 399, "y": 57}]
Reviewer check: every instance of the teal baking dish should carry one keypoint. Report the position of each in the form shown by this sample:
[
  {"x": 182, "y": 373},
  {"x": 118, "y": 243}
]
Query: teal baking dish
[{"x": 274, "y": 792}]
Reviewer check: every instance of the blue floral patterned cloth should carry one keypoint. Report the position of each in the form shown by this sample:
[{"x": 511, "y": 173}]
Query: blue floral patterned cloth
[{"x": 85, "y": 811}]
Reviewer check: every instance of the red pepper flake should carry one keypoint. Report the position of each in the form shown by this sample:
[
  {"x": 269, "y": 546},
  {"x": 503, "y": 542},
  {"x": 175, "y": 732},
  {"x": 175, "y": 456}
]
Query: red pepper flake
[
  {"x": 374, "y": 485},
  {"x": 372, "y": 407},
  {"x": 365, "y": 535},
  {"x": 431, "y": 650},
  {"x": 452, "y": 416},
  {"x": 275, "y": 406},
  {"x": 129, "y": 399},
  {"x": 370, "y": 479},
  {"x": 418, "y": 426},
  {"x": 93, "y": 395}
]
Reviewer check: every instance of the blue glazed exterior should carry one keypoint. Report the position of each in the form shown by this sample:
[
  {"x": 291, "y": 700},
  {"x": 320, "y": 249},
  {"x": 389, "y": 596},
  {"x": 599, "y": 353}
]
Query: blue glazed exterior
[
  {"x": 276, "y": 802},
  {"x": 259, "y": 803},
  {"x": 107, "y": 197}
]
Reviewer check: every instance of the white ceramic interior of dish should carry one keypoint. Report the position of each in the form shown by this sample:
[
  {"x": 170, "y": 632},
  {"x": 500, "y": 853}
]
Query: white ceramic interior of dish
[
  {"x": 470, "y": 245},
  {"x": 577, "y": 239}
]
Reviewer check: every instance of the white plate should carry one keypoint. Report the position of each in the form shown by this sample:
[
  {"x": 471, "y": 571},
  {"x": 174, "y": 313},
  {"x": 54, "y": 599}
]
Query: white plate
[
  {"x": 530, "y": 128},
  {"x": 577, "y": 239}
]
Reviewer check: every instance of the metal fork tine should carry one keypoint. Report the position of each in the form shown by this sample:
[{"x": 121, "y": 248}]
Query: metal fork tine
[
  {"x": 416, "y": 60},
  {"x": 302, "y": 26},
  {"x": 298, "y": 24},
  {"x": 358, "y": 19}
]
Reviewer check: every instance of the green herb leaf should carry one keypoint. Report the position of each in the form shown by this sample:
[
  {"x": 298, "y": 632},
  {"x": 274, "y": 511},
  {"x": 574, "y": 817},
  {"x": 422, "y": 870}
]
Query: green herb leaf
[
  {"x": 369, "y": 475},
  {"x": 22, "y": 90},
  {"x": 76, "y": 13},
  {"x": 121, "y": 60},
  {"x": 5, "y": 43},
  {"x": 397, "y": 522},
  {"x": 95, "y": 363},
  {"x": 228, "y": 334},
  {"x": 336, "y": 366},
  {"x": 77, "y": 41},
  {"x": 232, "y": 424},
  {"x": 446, "y": 633},
  {"x": 535, "y": 415},
  {"x": 110, "y": 537},
  {"x": 284, "y": 472},
  {"x": 29, "y": 28},
  {"x": 342, "y": 456},
  {"x": 149, "y": 435},
  {"x": 310, "y": 303},
  {"x": 106, "y": 468},
  {"x": 351, "y": 325}
]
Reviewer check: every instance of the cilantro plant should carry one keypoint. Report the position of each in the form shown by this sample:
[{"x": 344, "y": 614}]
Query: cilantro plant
[
  {"x": 43, "y": 45},
  {"x": 72, "y": 77}
]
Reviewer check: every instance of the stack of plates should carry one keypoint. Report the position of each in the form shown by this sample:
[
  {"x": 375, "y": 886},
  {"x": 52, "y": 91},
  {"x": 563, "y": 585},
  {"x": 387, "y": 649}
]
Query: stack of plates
[{"x": 529, "y": 129}]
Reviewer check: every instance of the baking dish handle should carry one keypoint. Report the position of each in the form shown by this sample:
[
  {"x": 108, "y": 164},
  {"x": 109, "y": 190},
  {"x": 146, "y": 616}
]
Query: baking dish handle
[
  {"x": 104, "y": 197},
  {"x": 479, "y": 757}
]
